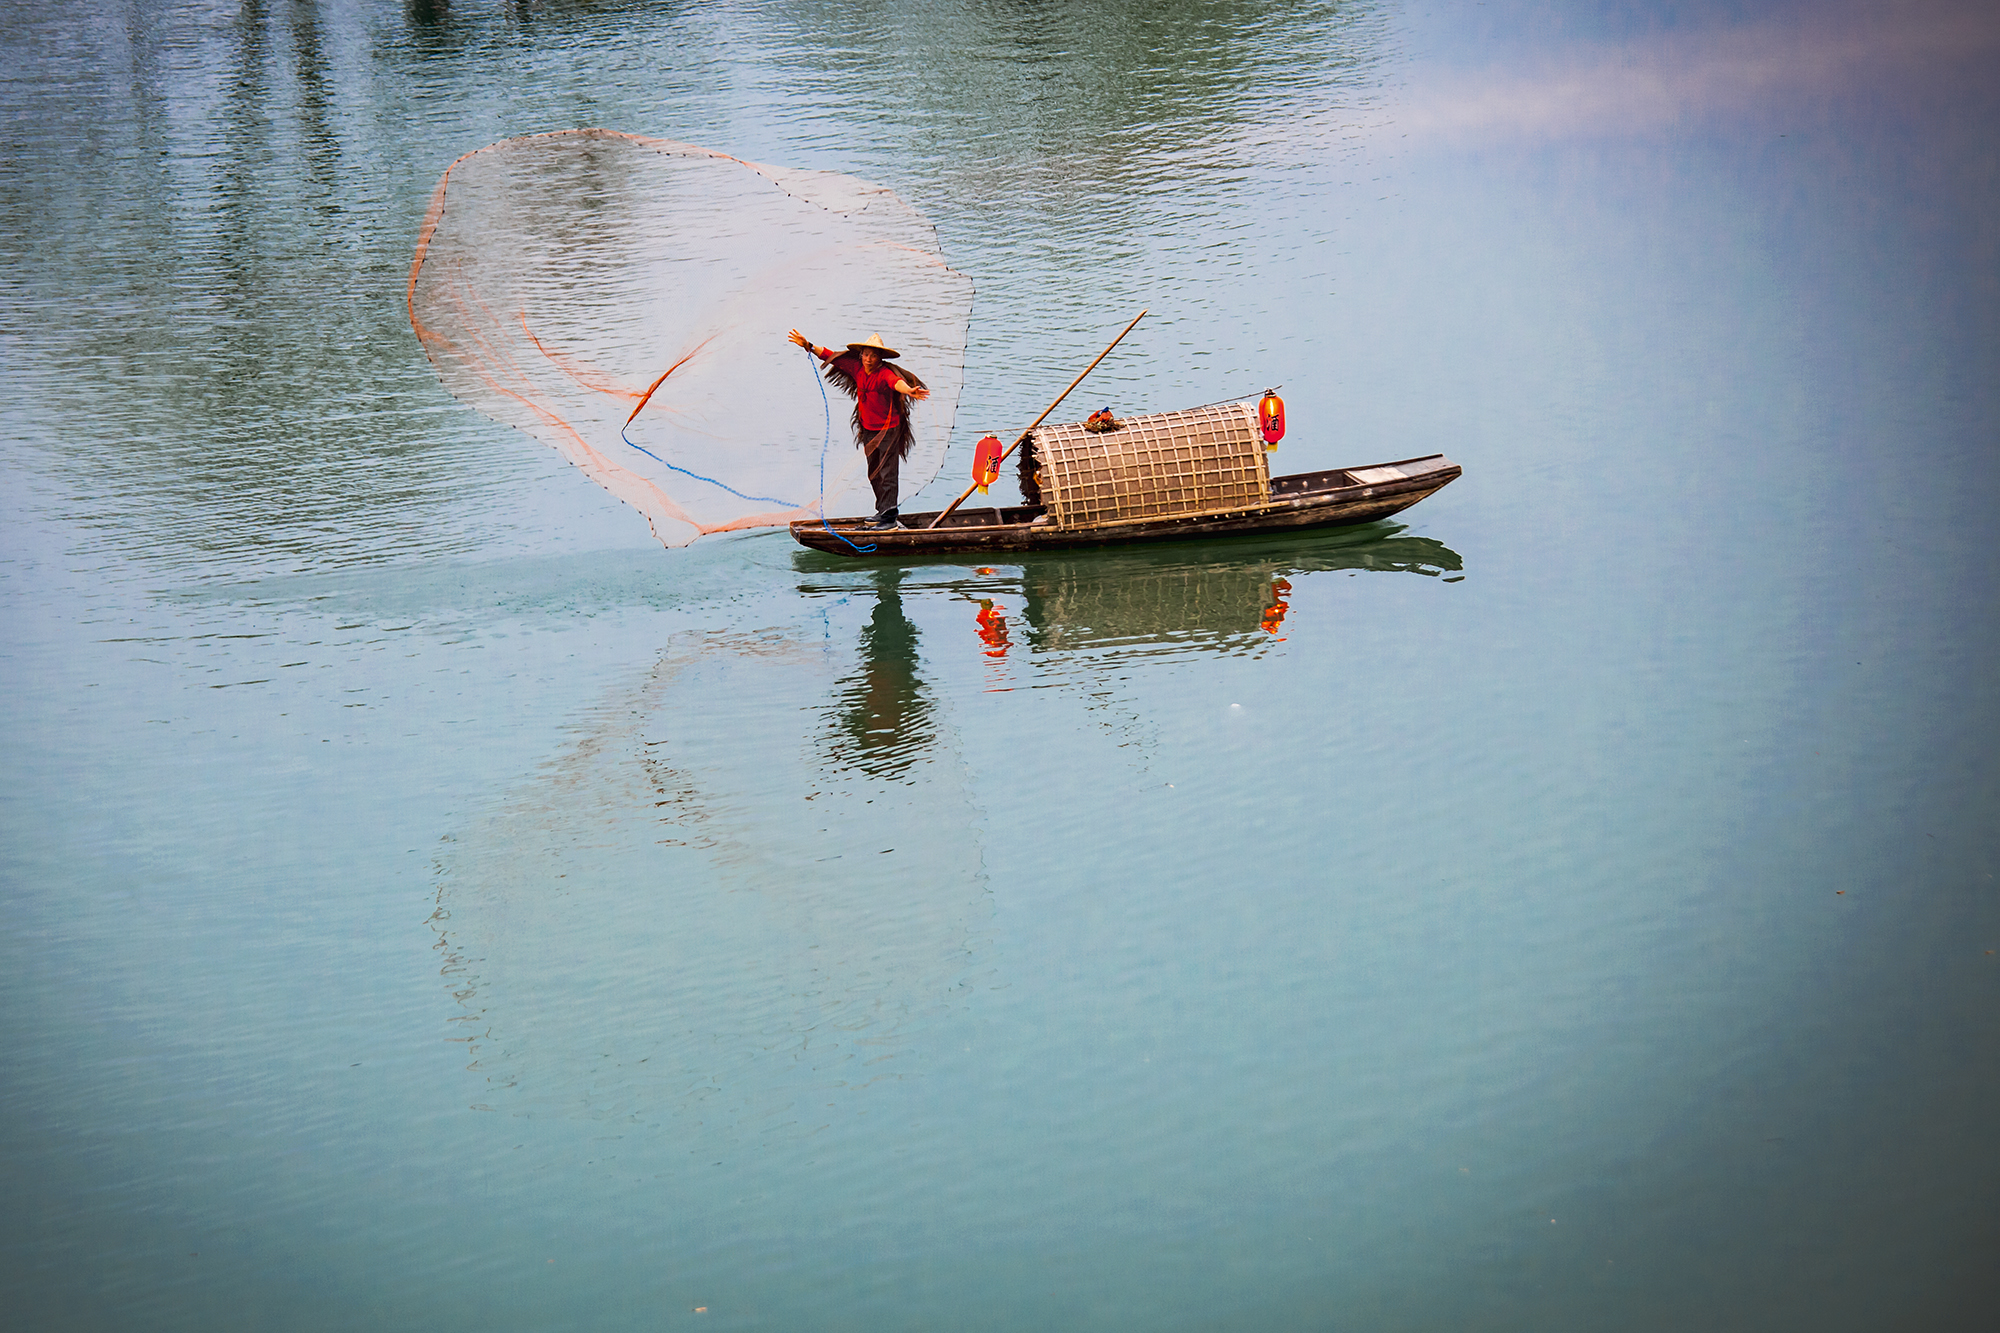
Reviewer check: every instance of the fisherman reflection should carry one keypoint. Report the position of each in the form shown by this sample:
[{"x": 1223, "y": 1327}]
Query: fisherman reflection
[{"x": 883, "y": 715}]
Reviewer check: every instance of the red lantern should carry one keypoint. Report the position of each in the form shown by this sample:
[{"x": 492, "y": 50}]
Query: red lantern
[
  {"x": 1271, "y": 418},
  {"x": 986, "y": 463}
]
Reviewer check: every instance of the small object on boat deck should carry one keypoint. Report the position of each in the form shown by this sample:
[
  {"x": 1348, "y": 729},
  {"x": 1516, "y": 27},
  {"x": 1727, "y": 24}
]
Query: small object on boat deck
[{"x": 1098, "y": 423}]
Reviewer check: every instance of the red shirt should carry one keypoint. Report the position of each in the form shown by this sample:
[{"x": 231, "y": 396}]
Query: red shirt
[{"x": 876, "y": 393}]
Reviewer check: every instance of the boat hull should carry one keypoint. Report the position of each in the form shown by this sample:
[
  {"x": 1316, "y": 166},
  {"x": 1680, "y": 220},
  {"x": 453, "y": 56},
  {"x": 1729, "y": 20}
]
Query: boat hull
[{"x": 1337, "y": 498}]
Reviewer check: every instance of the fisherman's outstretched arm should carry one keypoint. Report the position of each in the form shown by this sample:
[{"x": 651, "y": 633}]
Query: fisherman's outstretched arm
[{"x": 823, "y": 353}]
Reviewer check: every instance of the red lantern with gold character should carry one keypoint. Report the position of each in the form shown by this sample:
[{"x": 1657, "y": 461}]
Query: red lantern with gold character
[
  {"x": 1271, "y": 418},
  {"x": 986, "y": 463}
]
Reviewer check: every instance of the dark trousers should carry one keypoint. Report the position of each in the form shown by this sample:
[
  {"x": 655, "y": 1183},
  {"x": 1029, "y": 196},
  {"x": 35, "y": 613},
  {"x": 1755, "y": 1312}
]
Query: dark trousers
[{"x": 883, "y": 467}]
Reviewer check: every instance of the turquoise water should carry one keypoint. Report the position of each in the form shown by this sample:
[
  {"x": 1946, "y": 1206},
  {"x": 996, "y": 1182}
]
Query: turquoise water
[{"x": 430, "y": 904}]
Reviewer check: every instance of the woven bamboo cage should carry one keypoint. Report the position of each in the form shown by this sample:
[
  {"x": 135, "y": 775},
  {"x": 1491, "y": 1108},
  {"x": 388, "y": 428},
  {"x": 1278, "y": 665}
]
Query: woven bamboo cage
[{"x": 1200, "y": 461}]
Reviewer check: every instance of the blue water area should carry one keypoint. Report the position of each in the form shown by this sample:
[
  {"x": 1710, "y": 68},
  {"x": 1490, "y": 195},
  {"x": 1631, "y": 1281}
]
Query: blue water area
[{"x": 428, "y": 903}]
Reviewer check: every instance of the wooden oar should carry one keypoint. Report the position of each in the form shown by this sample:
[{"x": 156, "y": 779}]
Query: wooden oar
[{"x": 1040, "y": 419}]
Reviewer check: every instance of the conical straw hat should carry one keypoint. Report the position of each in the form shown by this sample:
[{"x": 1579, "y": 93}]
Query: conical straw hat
[{"x": 888, "y": 353}]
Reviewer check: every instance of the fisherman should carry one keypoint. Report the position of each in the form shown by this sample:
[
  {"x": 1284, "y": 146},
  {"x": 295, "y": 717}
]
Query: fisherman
[{"x": 882, "y": 396}]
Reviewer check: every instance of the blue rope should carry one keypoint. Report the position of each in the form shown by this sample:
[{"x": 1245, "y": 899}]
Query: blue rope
[
  {"x": 760, "y": 499},
  {"x": 826, "y": 442}
]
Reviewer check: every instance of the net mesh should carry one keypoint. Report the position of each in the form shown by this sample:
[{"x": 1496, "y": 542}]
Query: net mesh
[
  {"x": 1203, "y": 460},
  {"x": 625, "y": 300}
]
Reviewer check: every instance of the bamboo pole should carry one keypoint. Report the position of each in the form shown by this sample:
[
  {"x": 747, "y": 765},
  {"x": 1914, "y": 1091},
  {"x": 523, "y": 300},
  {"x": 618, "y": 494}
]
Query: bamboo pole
[{"x": 1040, "y": 419}]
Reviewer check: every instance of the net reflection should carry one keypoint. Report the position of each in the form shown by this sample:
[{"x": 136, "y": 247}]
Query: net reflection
[{"x": 593, "y": 927}]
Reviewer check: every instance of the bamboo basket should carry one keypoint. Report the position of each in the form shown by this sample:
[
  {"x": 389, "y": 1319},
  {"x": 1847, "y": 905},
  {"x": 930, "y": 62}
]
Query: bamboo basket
[{"x": 1187, "y": 464}]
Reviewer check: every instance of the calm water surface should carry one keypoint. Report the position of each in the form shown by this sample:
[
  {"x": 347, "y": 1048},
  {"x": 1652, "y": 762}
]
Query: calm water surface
[{"x": 430, "y": 904}]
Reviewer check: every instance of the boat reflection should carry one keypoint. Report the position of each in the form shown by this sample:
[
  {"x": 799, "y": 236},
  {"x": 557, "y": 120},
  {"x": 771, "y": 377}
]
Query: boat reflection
[
  {"x": 1212, "y": 597},
  {"x": 1217, "y": 597}
]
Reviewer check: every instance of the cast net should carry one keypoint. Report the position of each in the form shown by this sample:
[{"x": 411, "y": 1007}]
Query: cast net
[{"x": 562, "y": 281}]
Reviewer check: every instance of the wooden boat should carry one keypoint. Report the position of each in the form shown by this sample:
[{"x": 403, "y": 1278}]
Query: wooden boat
[
  {"x": 1173, "y": 476},
  {"x": 1329, "y": 499}
]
